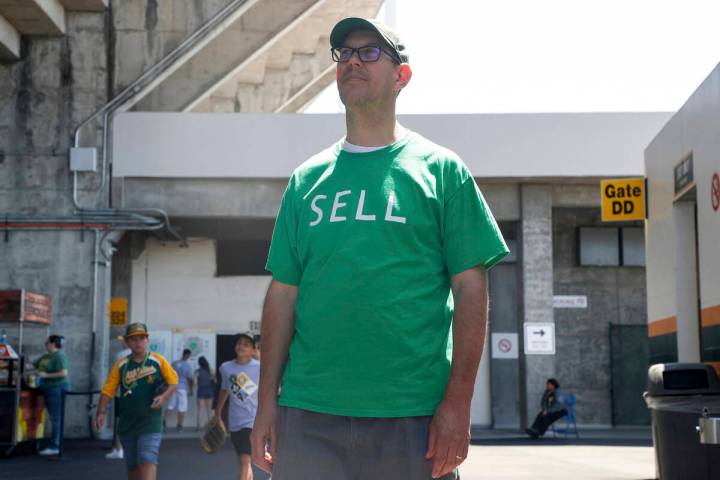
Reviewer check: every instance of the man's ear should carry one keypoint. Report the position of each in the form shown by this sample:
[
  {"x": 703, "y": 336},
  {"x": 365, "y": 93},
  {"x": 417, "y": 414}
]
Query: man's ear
[{"x": 403, "y": 76}]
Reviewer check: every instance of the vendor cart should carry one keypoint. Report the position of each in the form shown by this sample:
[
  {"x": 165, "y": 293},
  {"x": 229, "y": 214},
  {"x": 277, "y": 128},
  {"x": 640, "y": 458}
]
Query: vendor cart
[{"x": 23, "y": 315}]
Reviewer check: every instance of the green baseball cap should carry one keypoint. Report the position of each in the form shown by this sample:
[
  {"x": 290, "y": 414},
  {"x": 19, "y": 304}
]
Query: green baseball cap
[
  {"x": 341, "y": 30},
  {"x": 135, "y": 329}
]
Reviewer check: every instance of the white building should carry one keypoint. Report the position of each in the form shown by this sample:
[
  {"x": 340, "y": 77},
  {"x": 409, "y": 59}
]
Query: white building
[
  {"x": 683, "y": 231},
  {"x": 221, "y": 177}
]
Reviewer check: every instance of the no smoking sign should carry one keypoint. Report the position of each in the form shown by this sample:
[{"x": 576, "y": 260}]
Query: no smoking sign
[
  {"x": 504, "y": 345},
  {"x": 715, "y": 192}
]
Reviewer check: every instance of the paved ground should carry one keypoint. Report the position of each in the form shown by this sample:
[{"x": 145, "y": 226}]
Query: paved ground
[{"x": 597, "y": 455}]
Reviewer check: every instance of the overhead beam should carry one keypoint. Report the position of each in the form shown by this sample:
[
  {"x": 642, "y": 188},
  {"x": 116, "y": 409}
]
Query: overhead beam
[
  {"x": 9, "y": 41},
  {"x": 34, "y": 17}
]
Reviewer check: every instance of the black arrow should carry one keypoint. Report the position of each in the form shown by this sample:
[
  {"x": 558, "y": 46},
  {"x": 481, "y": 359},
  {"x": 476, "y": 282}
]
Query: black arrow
[{"x": 541, "y": 333}]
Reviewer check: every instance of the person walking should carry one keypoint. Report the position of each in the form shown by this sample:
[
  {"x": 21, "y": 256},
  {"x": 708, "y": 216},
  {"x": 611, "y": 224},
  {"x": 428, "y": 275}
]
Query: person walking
[
  {"x": 146, "y": 380},
  {"x": 53, "y": 373},
  {"x": 205, "y": 381},
  {"x": 374, "y": 322},
  {"x": 179, "y": 399},
  {"x": 240, "y": 378}
]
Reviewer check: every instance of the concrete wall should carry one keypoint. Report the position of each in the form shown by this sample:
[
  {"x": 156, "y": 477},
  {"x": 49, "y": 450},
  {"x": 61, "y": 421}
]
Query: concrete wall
[
  {"x": 694, "y": 129},
  {"x": 614, "y": 295},
  {"x": 176, "y": 288},
  {"x": 144, "y": 31},
  {"x": 57, "y": 84},
  {"x": 494, "y": 146}
]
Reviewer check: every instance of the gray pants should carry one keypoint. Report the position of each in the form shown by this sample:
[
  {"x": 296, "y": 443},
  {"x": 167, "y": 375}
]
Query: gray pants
[{"x": 314, "y": 446}]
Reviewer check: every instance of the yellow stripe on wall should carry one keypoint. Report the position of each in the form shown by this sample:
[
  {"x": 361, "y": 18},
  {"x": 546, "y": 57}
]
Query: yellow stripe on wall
[{"x": 663, "y": 326}]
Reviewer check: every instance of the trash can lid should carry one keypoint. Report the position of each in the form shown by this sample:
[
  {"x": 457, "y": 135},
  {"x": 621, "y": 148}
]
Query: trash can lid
[{"x": 667, "y": 379}]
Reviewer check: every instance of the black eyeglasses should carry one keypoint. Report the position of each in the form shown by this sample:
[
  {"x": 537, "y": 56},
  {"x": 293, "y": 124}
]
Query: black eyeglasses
[{"x": 366, "y": 54}]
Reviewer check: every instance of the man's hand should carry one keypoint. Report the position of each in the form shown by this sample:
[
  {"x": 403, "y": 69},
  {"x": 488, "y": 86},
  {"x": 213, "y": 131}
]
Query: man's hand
[
  {"x": 218, "y": 419},
  {"x": 99, "y": 421},
  {"x": 449, "y": 438},
  {"x": 157, "y": 402},
  {"x": 42, "y": 374},
  {"x": 263, "y": 432}
]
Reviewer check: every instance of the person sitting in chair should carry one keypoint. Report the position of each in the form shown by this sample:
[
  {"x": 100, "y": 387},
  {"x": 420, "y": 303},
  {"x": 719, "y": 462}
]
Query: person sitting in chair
[{"x": 552, "y": 409}]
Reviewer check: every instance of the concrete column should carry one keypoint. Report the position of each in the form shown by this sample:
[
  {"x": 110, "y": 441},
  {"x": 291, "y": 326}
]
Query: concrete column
[
  {"x": 686, "y": 285},
  {"x": 537, "y": 273}
]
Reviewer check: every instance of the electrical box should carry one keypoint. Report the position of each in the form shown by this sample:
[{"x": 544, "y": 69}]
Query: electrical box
[{"x": 83, "y": 159}]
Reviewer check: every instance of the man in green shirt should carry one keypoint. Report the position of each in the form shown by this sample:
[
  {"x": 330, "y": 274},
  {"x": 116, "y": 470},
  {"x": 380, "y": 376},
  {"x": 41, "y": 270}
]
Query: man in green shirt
[
  {"x": 146, "y": 380},
  {"x": 374, "y": 322},
  {"x": 53, "y": 372}
]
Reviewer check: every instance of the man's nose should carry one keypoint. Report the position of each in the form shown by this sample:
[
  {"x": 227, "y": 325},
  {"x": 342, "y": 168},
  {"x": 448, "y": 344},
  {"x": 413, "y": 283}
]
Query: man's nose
[{"x": 355, "y": 59}]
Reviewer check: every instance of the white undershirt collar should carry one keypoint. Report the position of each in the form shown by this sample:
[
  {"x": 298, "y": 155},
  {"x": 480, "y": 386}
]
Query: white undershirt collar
[{"x": 352, "y": 148}]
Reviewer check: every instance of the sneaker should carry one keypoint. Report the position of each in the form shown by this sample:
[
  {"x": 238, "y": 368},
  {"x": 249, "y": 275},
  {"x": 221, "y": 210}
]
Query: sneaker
[
  {"x": 49, "y": 451},
  {"x": 179, "y": 429},
  {"x": 534, "y": 434},
  {"x": 115, "y": 454}
]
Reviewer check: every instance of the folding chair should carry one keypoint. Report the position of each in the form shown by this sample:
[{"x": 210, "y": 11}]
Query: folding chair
[{"x": 570, "y": 426}]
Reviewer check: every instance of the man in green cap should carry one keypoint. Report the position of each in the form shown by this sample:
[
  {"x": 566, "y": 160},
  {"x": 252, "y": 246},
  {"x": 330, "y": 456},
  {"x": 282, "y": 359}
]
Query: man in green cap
[
  {"x": 374, "y": 322},
  {"x": 146, "y": 380}
]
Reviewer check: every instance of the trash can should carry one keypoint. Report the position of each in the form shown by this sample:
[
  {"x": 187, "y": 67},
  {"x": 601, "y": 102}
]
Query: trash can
[{"x": 684, "y": 399}]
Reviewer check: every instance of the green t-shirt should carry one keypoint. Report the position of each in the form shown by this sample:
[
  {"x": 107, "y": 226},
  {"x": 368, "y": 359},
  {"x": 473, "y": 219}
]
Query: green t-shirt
[
  {"x": 139, "y": 383},
  {"x": 53, "y": 363},
  {"x": 371, "y": 240}
]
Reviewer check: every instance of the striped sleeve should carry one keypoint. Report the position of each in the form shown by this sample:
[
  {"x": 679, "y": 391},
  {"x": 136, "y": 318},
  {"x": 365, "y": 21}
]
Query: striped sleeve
[
  {"x": 113, "y": 379},
  {"x": 166, "y": 369}
]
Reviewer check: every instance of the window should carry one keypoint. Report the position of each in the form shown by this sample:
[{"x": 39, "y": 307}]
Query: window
[
  {"x": 611, "y": 246},
  {"x": 235, "y": 257},
  {"x": 633, "y": 247},
  {"x": 599, "y": 247}
]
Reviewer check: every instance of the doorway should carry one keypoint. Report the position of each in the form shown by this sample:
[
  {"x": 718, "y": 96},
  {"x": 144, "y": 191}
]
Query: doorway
[{"x": 629, "y": 361}]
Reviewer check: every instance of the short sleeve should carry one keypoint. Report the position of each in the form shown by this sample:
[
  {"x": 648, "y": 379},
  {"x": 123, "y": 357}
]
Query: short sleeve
[
  {"x": 112, "y": 381},
  {"x": 224, "y": 381},
  {"x": 62, "y": 362},
  {"x": 471, "y": 237},
  {"x": 168, "y": 372},
  {"x": 283, "y": 260}
]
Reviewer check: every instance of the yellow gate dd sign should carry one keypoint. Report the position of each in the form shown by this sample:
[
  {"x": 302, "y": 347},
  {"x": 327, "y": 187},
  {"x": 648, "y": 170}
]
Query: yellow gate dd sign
[
  {"x": 623, "y": 199},
  {"x": 118, "y": 311}
]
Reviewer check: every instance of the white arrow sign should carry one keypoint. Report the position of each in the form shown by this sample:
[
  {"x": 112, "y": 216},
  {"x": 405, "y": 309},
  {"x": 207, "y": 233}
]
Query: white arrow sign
[{"x": 540, "y": 339}]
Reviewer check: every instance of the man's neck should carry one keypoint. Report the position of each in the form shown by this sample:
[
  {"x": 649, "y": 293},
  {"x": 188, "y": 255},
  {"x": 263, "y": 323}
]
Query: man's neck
[
  {"x": 138, "y": 357},
  {"x": 371, "y": 128},
  {"x": 242, "y": 360}
]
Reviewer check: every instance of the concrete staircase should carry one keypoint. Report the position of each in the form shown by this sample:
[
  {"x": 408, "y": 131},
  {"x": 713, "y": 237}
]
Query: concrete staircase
[
  {"x": 274, "y": 57},
  {"x": 291, "y": 71},
  {"x": 36, "y": 17},
  {"x": 269, "y": 56}
]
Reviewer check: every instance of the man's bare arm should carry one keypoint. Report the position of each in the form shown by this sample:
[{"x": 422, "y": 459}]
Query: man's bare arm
[
  {"x": 222, "y": 398},
  {"x": 278, "y": 328},
  {"x": 450, "y": 429}
]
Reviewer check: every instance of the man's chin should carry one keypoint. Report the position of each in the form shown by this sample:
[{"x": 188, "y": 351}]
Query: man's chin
[{"x": 354, "y": 101}]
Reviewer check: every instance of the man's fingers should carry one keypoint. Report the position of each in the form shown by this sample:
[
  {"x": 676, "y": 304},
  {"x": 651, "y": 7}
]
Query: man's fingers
[
  {"x": 273, "y": 443},
  {"x": 257, "y": 443},
  {"x": 441, "y": 460},
  {"x": 264, "y": 465},
  {"x": 465, "y": 451},
  {"x": 432, "y": 443}
]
